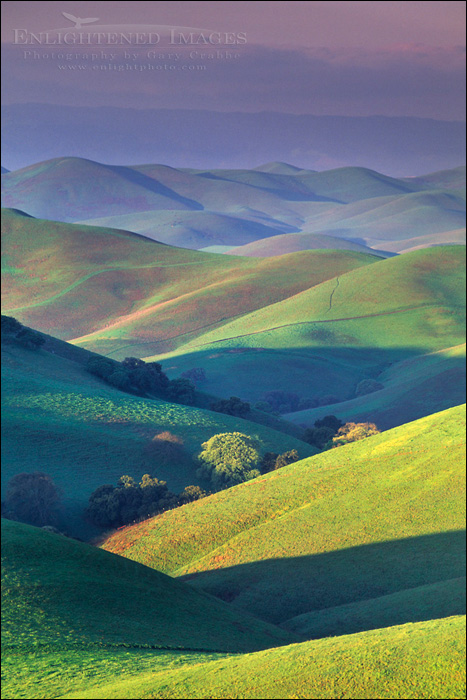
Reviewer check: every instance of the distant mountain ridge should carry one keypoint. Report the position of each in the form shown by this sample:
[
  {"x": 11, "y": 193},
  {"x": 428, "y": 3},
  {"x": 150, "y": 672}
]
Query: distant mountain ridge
[{"x": 394, "y": 145}]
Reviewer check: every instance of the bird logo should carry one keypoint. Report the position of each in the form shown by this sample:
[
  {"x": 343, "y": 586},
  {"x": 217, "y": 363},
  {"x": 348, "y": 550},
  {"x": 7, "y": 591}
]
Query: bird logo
[{"x": 79, "y": 21}]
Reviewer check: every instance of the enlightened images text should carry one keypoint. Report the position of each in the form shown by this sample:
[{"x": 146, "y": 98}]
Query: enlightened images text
[{"x": 174, "y": 37}]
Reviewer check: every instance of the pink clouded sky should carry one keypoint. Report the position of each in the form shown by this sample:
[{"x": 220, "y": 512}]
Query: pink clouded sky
[
  {"x": 341, "y": 58},
  {"x": 333, "y": 24}
]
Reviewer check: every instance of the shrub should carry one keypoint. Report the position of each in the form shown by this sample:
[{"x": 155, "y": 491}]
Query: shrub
[
  {"x": 268, "y": 462},
  {"x": 351, "y": 432},
  {"x": 192, "y": 493},
  {"x": 329, "y": 422},
  {"x": 181, "y": 391},
  {"x": 318, "y": 437},
  {"x": 101, "y": 366},
  {"x": 111, "y": 506},
  {"x": 10, "y": 326},
  {"x": 166, "y": 447},
  {"x": 228, "y": 459},
  {"x": 286, "y": 458}
]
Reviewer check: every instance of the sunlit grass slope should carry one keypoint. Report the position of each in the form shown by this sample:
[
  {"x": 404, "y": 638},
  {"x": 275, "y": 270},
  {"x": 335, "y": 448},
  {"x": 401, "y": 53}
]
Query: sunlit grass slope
[
  {"x": 326, "y": 339},
  {"x": 123, "y": 293},
  {"x": 356, "y": 523},
  {"x": 58, "y": 418},
  {"x": 423, "y": 660}
]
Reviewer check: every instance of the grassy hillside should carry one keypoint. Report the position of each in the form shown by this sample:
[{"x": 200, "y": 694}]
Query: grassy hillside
[
  {"x": 137, "y": 296},
  {"x": 79, "y": 622},
  {"x": 60, "y": 419},
  {"x": 442, "y": 599},
  {"x": 363, "y": 521},
  {"x": 325, "y": 340},
  {"x": 425, "y": 660}
]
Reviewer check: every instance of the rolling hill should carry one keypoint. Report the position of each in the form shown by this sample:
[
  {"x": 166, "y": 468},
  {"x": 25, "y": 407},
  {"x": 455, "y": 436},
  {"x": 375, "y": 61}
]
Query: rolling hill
[
  {"x": 293, "y": 242},
  {"x": 353, "y": 525},
  {"x": 410, "y": 661},
  {"x": 253, "y": 325},
  {"x": 199, "y": 208},
  {"x": 189, "y": 229},
  {"x": 137, "y": 296}
]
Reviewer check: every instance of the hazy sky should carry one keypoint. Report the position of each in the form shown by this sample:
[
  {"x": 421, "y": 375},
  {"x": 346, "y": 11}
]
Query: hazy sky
[{"x": 342, "y": 58}]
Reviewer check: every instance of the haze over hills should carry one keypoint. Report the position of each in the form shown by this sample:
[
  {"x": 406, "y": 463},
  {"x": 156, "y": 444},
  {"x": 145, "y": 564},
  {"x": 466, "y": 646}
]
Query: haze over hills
[
  {"x": 395, "y": 145},
  {"x": 231, "y": 208}
]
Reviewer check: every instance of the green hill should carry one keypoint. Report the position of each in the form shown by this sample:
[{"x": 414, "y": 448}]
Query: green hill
[
  {"x": 425, "y": 660},
  {"x": 60, "y": 419},
  {"x": 444, "y": 599},
  {"x": 80, "y": 622},
  {"x": 364, "y": 521},
  {"x": 59, "y": 591},
  {"x": 411, "y": 388}
]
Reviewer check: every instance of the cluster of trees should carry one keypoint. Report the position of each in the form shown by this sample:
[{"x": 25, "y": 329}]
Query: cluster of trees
[
  {"x": 14, "y": 330},
  {"x": 114, "y": 506},
  {"x": 32, "y": 498},
  {"x": 279, "y": 402},
  {"x": 232, "y": 458},
  {"x": 232, "y": 407},
  {"x": 329, "y": 432},
  {"x": 135, "y": 375}
]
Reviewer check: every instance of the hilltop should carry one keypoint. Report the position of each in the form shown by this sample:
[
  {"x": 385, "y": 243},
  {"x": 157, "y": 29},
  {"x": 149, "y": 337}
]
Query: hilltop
[{"x": 72, "y": 281}]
